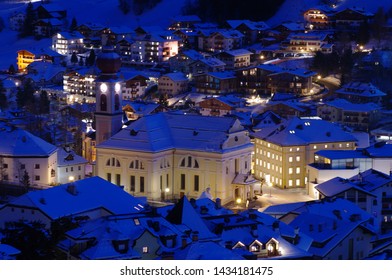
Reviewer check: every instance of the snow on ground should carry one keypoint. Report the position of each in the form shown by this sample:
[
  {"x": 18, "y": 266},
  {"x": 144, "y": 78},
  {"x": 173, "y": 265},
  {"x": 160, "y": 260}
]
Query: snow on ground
[{"x": 104, "y": 12}]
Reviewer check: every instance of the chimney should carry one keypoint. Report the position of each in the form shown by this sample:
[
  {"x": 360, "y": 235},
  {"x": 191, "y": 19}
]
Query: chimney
[
  {"x": 71, "y": 188},
  {"x": 218, "y": 203},
  {"x": 254, "y": 231},
  {"x": 183, "y": 241},
  {"x": 229, "y": 245},
  {"x": 195, "y": 236}
]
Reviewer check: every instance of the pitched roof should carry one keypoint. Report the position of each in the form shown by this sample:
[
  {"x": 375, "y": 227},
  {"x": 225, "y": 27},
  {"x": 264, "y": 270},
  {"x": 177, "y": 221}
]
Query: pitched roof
[
  {"x": 165, "y": 131},
  {"x": 16, "y": 142},
  {"x": 304, "y": 131},
  {"x": 184, "y": 214},
  {"x": 80, "y": 197}
]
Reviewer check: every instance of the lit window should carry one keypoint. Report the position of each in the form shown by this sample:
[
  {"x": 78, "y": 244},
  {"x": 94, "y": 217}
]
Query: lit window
[
  {"x": 315, "y": 147},
  {"x": 268, "y": 154},
  {"x": 297, "y": 149},
  {"x": 298, "y": 170},
  {"x": 348, "y": 145},
  {"x": 326, "y": 146},
  {"x": 268, "y": 165},
  {"x": 297, "y": 158},
  {"x": 145, "y": 250},
  {"x": 290, "y": 170},
  {"x": 297, "y": 182},
  {"x": 290, "y": 159},
  {"x": 290, "y": 183}
]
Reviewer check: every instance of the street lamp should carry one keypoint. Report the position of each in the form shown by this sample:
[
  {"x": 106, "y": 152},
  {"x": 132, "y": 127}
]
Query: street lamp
[
  {"x": 166, "y": 192},
  {"x": 71, "y": 179}
]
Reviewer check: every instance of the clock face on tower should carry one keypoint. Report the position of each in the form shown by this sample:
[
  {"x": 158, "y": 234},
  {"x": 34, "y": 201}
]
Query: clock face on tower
[
  {"x": 103, "y": 88},
  {"x": 117, "y": 87}
]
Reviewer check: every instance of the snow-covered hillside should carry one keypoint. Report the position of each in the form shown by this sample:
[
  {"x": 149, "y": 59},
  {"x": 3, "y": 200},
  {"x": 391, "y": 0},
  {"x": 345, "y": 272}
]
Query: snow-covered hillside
[{"x": 293, "y": 9}]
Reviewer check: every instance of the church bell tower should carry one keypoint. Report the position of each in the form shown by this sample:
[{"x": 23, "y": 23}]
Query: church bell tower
[{"x": 108, "y": 111}]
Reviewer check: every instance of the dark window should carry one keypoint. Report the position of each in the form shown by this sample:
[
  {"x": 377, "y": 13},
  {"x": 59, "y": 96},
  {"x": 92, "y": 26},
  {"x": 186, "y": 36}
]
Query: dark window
[
  {"x": 118, "y": 179},
  {"x": 109, "y": 177},
  {"x": 167, "y": 180},
  {"x": 196, "y": 183},
  {"x": 183, "y": 181},
  {"x": 37, "y": 178},
  {"x": 36, "y": 166},
  {"x": 189, "y": 161},
  {"x": 116, "y": 102},
  {"x": 104, "y": 102},
  {"x": 5, "y": 165},
  {"x": 141, "y": 184},
  {"x": 22, "y": 166},
  {"x": 132, "y": 183}
]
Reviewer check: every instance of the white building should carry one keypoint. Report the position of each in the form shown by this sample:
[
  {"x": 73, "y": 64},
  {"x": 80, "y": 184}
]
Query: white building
[
  {"x": 168, "y": 155},
  {"x": 67, "y": 43},
  {"x": 70, "y": 166},
  {"x": 21, "y": 152}
]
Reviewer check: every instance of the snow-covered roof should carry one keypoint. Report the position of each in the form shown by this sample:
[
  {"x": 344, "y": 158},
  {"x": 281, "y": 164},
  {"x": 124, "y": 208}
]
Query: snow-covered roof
[
  {"x": 185, "y": 216},
  {"x": 348, "y": 106},
  {"x": 238, "y": 52},
  {"x": 80, "y": 197},
  {"x": 165, "y": 131},
  {"x": 212, "y": 62},
  {"x": 8, "y": 252},
  {"x": 379, "y": 150},
  {"x": 360, "y": 89},
  {"x": 76, "y": 35},
  {"x": 141, "y": 108},
  {"x": 206, "y": 251},
  {"x": 67, "y": 157},
  {"x": 341, "y": 154},
  {"x": 338, "y": 185},
  {"x": 304, "y": 131},
  {"x": 16, "y": 142},
  {"x": 176, "y": 77},
  {"x": 192, "y": 54},
  {"x": 253, "y": 25},
  {"x": 223, "y": 75}
]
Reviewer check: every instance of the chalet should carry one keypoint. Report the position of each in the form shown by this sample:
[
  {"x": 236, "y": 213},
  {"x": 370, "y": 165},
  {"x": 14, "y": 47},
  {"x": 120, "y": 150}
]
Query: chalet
[
  {"x": 252, "y": 31},
  {"x": 319, "y": 18},
  {"x": 216, "y": 82},
  {"x": 370, "y": 190},
  {"x": 219, "y": 106},
  {"x": 358, "y": 92},
  {"x": 351, "y": 19},
  {"x": 172, "y": 84},
  {"x": 184, "y": 22},
  {"x": 358, "y": 116},
  {"x": 47, "y": 27},
  {"x": 332, "y": 226},
  {"x": 51, "y": 11},
  {"x": 181, "y": 61},
  {"x": 204, "y": 65},
  {"x": 233, "y": 59},
  {"x": 16, "y": 21},
  {"x": 135, "y": 85},
  {"x": 219, "y": 40}
]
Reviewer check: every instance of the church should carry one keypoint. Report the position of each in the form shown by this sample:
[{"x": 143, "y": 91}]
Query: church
[{"x": 165, "y": 156}]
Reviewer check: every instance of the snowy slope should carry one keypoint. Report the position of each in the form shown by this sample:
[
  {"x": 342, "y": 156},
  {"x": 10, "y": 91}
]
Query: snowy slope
[
  {"x": 293, "y": 9},
  {"x": 105, "y": 12}
]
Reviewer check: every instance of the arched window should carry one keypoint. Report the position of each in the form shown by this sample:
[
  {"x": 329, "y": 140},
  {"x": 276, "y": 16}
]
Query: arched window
[
  {"x": 136, "y": 164},
  {"x": 116, "y": 102},
  {"x": 165, "y": 163},
  {"x": 189, "y": 162},
  {"x": 113, "y": 162},
  {"x": 103, "y": 102}
]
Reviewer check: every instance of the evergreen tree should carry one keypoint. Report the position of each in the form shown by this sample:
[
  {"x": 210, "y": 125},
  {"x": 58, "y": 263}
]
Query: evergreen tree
[
  {"x": 28, "y": 27},
  {"x": 74, "y": 58},
  {"x": 44, "y": 103},
  {"x": 74, "y": 25},
  {"x": 90, "y": 61},
  {"x": 3, "y": 97},
  {"x": 31, "y": 238},
  {"x": 11, "y": 69},
  {"x": 25, "y": 180},
  {"x": 124, "y": 6},
  {"x": 25, "y": 95}
]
